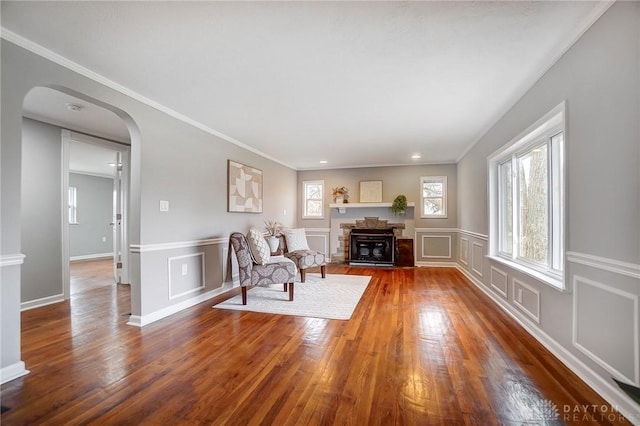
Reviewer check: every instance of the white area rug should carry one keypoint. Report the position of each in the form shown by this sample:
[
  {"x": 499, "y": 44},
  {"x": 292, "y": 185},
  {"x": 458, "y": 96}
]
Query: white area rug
[{"x": 334, "y": 297}]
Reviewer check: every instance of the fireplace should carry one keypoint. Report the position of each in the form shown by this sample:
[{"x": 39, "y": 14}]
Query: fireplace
[{"x": 372, "y": 246}]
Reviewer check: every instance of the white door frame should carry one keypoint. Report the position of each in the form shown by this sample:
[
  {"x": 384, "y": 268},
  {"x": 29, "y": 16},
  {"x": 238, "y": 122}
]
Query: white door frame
[{"x": 67, "y": 137}]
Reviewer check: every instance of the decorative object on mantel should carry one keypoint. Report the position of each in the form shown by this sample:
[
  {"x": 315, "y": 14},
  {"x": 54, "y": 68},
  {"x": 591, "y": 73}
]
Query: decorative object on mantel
[
  {"x": 273, "y": 228},
  {"x": 371, "y": 191},
  {"x": 340, "y": 194},
  {"x": 399, "y": 205}
]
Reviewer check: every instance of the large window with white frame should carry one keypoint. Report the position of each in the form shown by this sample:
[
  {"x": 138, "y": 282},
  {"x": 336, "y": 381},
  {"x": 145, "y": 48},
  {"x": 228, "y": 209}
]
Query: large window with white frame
[
  {"x": 313, "y": 196},
  {"x": 433, "y": 194},
  {"x": 527, "y": 199}
]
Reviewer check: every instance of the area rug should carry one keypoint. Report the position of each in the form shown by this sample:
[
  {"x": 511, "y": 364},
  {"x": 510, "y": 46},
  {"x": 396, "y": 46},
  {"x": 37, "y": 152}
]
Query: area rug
[{"x": 334, "y": 297}]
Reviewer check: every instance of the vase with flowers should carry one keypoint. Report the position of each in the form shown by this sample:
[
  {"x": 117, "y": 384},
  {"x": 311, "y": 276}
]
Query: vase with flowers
[
  {"x": 273, "y": 228},
  {"x": 340, "y": 194}
]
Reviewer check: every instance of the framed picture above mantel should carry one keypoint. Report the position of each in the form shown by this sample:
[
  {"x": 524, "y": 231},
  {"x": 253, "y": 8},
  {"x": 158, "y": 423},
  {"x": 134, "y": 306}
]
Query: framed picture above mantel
[{"x": 371, "y": 191}]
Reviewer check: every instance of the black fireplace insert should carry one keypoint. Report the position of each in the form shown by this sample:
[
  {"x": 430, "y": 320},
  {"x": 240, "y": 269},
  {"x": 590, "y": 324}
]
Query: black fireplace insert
[{"x": 372, "y": 246}]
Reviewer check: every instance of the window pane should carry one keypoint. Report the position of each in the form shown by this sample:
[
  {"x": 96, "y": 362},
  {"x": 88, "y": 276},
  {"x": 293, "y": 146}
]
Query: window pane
[
  {"x": 313, "y": 199},
  {"x": 506, "y": 208},
  {"x": 314, "y": 208},
  {"x": 432, "y": 189},
  {"x": 314, "y": 191},
  {"x": 433, "y": 194},
  {"x": 533, "y": 206},
  {"x": 432, "y": 206}
]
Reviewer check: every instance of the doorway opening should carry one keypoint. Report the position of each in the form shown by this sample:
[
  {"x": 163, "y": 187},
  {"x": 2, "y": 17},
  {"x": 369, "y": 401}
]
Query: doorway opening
[{"x": 96, "y": 179}]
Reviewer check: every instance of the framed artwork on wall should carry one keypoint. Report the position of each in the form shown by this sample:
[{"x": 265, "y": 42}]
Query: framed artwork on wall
[
  {"x": 244, "y": 188},
  {"x": 371, "y": 191}
]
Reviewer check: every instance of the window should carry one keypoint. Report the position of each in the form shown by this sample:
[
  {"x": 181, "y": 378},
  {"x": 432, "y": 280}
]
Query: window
[
  {"x": 313, "y": 194},
  {"x": 527, "y": 201},
  {"x": 434, "y": 196},
  {"x": 73, "y": 205}
]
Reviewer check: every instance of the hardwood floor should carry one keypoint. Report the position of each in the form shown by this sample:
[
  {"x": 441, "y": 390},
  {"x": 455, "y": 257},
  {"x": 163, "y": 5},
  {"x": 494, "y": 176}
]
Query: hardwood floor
[
  {"x": 90, "y": 274},
  {"x": 424, "y": 347}
]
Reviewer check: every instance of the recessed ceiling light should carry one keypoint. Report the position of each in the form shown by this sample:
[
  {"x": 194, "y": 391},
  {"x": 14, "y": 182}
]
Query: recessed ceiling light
[
  {"x": 323, "y": 161},
  {"x": 416, "y": 156},
  {"x": 74, "y": 107}
]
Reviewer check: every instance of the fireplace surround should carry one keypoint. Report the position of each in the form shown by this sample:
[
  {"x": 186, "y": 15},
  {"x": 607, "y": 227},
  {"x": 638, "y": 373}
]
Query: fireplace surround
[
  {"x": 370, "y": 253},
  {"x": 372, "y": 246}
]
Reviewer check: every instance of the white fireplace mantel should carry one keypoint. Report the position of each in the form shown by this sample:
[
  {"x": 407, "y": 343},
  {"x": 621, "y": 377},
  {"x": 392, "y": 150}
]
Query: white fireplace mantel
[{"x": 342, "y": 207}]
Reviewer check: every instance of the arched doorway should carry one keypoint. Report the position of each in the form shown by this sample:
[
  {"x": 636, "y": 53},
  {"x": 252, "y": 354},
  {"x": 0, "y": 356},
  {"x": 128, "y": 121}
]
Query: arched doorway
[{"x": 58, "y": 124}]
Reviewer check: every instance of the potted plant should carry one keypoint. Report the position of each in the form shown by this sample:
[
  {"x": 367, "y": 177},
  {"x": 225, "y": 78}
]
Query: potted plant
[
  {"x": 273, "y": 228},
  {"x": 340, "y": 194},
  {"x": 399, "y": 205}
]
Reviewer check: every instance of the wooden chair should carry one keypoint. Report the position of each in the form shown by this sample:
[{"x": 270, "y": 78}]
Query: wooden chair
[{"x": 279, "y": 270}]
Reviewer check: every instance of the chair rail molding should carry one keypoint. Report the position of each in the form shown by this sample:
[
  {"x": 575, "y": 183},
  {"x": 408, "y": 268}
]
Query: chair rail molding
[
  {"x": 11, "y": 259},
  {"x": 474, "y": 234},
  {"x": 611, "y": 265},
  {"x": 142, "y": 248},
  {"x": 436, "y": 230}
]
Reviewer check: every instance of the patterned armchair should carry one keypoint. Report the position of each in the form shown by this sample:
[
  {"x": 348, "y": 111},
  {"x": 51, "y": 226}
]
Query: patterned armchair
[
  {"x": 279, "y": 270},
  {"x": 304, "y": 259}
]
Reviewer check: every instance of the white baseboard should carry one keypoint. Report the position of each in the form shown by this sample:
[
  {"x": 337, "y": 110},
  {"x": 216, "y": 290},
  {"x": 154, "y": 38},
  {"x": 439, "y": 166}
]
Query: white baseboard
[
  {"x": 611, "y": 393},
  {"x": 37, "y": 303},
  {"x": 141, "y": 321},
  {"x": 12, "y": 372},
  {"x": 91, "y": 256}
]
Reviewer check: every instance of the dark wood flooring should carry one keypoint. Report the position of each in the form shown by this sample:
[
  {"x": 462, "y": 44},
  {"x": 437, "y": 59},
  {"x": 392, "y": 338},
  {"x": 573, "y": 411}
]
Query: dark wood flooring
[{"x": 424, "y": 347}]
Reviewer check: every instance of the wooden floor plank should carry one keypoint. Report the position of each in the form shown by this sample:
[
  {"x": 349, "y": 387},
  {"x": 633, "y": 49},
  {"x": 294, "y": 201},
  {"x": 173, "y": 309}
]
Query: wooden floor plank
[{"x": 423, "y": 346}]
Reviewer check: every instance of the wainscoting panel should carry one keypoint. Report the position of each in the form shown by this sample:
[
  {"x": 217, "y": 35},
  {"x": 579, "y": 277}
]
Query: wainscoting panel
[
  {"x": 464, "y": 251},
  {"x": 527, "y": 299},
  {"x": 436, "y": 247},
  {"x": 186, "y": 274},
  {"x": 319, "y": 242},
  {"x": 168, "y": 289},
  {"x": 499, "y": 281},
  {"x": 477, "y": 258},
  {"x": 605, "y": 327}
]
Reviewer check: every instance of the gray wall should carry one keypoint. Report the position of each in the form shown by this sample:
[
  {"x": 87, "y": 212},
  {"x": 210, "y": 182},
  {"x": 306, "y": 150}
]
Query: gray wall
[
  {"x": 395, "y": 180},
  {"x": 94, "y": 214},
  {"x": 41, "y": 211},
  {"x": 599, "y": 77},
  {"x": 170, "y": 160},
  {"x": 433, "y": 243}
]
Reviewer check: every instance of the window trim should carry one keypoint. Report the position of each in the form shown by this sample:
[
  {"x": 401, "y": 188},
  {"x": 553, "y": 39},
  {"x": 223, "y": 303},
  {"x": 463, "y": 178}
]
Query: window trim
[
  {"x": 304, "y": 199},
  {"x": 442, "y": 179},
  {"x": 541, "y": 132}
]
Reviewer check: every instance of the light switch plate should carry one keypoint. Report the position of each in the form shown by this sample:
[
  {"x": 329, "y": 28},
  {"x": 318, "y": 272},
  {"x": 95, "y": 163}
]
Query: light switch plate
[{"x": 164, "y": 206}]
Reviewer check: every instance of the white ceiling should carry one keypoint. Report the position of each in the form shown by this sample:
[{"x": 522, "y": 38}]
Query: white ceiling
[
  {"x": 354, "y": 83},
  {"x": 51, "y": 106}
]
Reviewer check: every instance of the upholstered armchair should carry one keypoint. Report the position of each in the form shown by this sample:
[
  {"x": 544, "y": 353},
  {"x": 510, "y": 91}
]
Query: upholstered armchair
[
  {"x": 275, "y": 270},
  {"x": 301, "y": 255}
]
